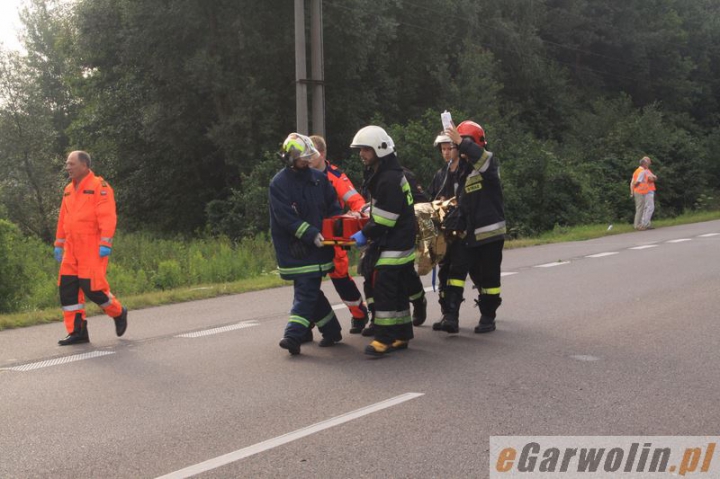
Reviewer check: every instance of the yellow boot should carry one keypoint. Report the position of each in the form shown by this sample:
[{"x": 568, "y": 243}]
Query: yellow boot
[{"x": 377, "y": 349}]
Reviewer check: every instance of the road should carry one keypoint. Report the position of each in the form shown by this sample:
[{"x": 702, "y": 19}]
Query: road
[{"x": 614, "y": 336}]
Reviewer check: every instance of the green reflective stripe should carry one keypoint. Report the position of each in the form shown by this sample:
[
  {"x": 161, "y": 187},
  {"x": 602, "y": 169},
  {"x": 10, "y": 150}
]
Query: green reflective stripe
[
  {"x": 326, "y": 319},
  {"x": 299, "y": 320},
  {"x": 417, "y": 296},
  {"x": 382, "y": 221},
  {"x": 370, "y": 301},
  {"x": 490, "y": 290},
  {"x": 460, "y": 283},
  {"x": 391, "y": 318},
  {"x": 302, "y": 229},
  {"x": 405, "y": 186},
  {"x": 395, "y": 258},
  {"x": 382, "y": 217},
  {"x": 306, "y": 269}
]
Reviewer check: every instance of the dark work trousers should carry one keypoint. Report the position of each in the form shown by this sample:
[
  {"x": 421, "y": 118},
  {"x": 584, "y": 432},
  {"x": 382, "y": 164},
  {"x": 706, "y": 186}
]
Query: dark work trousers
[
  {"x": 390, "y": 287},
  {"x": 310, "y": 306},
  {"x": 452, "y": 273},
  {"x": 484, "y": 264}
]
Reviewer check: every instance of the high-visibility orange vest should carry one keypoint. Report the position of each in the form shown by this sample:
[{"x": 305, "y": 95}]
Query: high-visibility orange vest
[
  {"x": 643, "y": 187},
  {"x": 88, "y": 209}
]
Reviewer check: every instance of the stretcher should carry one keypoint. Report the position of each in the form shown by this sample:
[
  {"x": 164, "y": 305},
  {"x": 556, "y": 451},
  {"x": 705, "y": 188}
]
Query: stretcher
[{"x": 337, "y": 230}]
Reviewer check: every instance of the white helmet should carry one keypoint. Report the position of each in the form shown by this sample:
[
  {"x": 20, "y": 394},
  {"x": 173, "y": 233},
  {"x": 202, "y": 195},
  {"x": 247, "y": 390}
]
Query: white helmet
[
  {"x": 298, "y": 147},
  {"x": 376, "y": 138},
  {"x": 442, "y": 138}
]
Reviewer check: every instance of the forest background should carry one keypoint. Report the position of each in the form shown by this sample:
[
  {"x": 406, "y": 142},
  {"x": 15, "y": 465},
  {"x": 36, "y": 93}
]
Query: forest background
[{"x": 183, "y": 105}]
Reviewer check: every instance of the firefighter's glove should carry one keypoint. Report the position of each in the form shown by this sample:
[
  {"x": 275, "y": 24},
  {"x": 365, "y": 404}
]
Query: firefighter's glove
[
  {"x": 360, "y": 239},
  {"x": 58, "y": 254},
  {"x": 319, "y": 240},
  {"x": 105, "y": 251},
  {"x": 298, "y": 249}
]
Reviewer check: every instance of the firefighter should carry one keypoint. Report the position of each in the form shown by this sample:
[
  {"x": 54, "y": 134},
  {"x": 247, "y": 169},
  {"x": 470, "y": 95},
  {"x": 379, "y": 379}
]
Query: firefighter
[
  {"x": 388, "y": 261},
  {"x": 481, "y": 226},
  {"x": 83, "y": 244},
  {"x": 447, "y": 184},
  {"x": 300, "y": 198},
  {"x": 346, "y": 195}
]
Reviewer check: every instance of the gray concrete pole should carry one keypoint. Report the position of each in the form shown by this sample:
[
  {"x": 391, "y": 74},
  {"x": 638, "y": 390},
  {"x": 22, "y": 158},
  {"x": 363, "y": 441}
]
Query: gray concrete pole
[
  {"x": 300, "y": 69},
  {"x": 318, "y": 73}
]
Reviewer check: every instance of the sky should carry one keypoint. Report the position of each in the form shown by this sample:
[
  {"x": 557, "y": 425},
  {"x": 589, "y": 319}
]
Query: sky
[{"x": 9, "y": 23}]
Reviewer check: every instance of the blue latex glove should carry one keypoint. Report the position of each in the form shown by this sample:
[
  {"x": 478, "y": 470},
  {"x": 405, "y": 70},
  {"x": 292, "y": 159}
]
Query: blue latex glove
[
  {"x": 105, "y": 251},
  {"x": 58, "y": 254},
  {"x": 360, "y": 239}
]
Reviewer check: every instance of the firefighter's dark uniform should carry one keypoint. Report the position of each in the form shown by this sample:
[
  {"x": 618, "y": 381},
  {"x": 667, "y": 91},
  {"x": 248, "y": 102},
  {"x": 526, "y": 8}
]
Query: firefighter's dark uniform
[
  {"x": 481, "y": 206},
  {"x": 391, "y": 252},
  {"x": 299, "y": 200},
  {"x": 451, "y": 274}
]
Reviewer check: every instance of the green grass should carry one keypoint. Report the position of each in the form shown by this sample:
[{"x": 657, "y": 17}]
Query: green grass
[{"x": 257, "y": 256}]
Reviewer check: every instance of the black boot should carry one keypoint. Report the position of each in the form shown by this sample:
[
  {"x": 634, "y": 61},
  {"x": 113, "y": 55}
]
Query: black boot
[
  {"x": 331, "y": 340},
  {"x": 291, "y": 344},
  {"x": 369, "y": 330},
  {"x": 357, "y": 325},
  {"x": 121, "y": 322},
  {"x": 488, "y": 304},
  {"x": 419, "y": 314},
  {"x": 79, "y": 335},
  {"x": 443, "y": 309},
  {"x": 450, "y": 322}
]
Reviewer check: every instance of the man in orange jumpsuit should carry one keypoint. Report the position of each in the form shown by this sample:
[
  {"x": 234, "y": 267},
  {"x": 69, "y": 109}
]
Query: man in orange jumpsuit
[
  {"x": 85, "y": 230},
  {"x": 347, "y": 195}
]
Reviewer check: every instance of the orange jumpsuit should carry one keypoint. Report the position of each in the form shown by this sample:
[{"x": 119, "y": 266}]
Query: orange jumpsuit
[
  {"x": 87, "y": 221},
  {"x": 343, "y": 282}
]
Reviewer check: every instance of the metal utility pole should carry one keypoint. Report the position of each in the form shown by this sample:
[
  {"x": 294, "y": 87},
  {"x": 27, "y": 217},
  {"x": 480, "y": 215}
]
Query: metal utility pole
[
  {"x": 318, "y": 75},
  {"x": 300, "y": 69},
  {"x": 317, "y": 81}
]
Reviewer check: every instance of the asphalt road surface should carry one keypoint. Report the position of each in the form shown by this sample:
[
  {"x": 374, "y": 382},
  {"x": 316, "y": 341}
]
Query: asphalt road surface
[{"x": 615, "y": 336}]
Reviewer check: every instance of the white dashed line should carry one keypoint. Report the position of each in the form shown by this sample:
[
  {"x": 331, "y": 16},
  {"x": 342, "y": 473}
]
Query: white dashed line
[
  {"x": 681, "y": 240},
  {"x": 286, "y": 438},
  {"x": 646, "y": 246},
  {"x": 708, "y": 235},
  {"x": 58, "y": 361},
  {"x": 508, "y": 273},
  {"x": 585, "y": 357},
  {"x": 550, "y": 265},
  {"x": 601, "y": 255},
  {"x": 223, "y": 329}
]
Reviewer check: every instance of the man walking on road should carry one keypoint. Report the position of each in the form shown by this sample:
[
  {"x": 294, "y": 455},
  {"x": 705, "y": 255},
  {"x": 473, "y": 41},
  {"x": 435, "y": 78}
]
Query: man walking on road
[
  {"x": 300, "y": 198},
  {"x": 83, "y": 244},
  {"x": 388, "y": 262}
]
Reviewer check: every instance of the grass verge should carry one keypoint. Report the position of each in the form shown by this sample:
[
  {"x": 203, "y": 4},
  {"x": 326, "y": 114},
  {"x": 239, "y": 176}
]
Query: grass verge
[{"x": 158, "y": 298}]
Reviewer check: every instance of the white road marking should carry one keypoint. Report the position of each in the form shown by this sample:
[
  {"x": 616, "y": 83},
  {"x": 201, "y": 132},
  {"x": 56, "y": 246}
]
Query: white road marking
[
  {"x": 286, "y": 438},
  {"x": 508, "y": 273},
  {"x": 679, "y": 240},
  {"x": 223, "y": 329},
  {"x": 708, "y": 235},
  {"x": 428, "y": 289},
  {"x": 645, "y": 246},
  {"x": 585, "y": 357},
  {"x": 550, "y": 265},
  {"x": 600, "y": 255},
  {"x": 57, "y": 361},
  {"x": 337, "y": 307}
]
